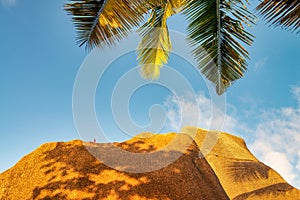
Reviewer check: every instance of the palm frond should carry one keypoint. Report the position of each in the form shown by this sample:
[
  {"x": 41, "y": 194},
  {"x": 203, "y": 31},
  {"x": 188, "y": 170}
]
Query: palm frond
[
  {"x": 100, "y": 22},
  {"x": 213, "y": 30},
  {"x": 176, "y": 5},
  {"x": 155, "y": 46},
  {"x": 284, "y": 13}
]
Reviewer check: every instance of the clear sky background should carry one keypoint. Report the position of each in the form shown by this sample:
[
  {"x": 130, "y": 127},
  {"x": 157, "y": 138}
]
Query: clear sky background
[{"x": 39, "y": 61}]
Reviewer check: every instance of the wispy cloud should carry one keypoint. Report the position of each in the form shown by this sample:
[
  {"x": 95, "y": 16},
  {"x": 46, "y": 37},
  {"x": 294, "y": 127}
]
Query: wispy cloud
[
  {"x": 276, "y": 135},
  {"x": 296, "y": 92},
  {"x": 8, "y": 2},
  {"x": 278, "y": 138},
  {"x": 260, "y": 63},
  {"x": 279, "y": 161},
  {"x": 184, "y": 106}
]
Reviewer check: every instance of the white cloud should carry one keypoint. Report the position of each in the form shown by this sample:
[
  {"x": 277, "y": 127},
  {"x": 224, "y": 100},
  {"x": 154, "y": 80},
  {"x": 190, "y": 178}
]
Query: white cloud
[
  {"x": 296, "y": 92},
  {"x": 8, "y": 2},
  {"x": 276, "y": 137},
  {"x": 260, "y": 63},
  {"x": 281, "y": 164},
  {"x": 196, "y": 114},
  {"x": 279, "y": 130},
  {"x": 279, "y": 161},
  {"x": 298, "y": 164}
]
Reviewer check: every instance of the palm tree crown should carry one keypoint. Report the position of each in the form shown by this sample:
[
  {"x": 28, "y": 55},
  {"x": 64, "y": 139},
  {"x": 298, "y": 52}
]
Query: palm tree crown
[{"x": 215, "y": 30}]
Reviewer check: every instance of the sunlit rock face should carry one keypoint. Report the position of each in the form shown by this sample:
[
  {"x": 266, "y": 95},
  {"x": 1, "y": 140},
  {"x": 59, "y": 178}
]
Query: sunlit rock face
[
  {"x": 66, "y": 170},
  {"x": 213, "y": 166},
  {"x": 240, "y": 173}
]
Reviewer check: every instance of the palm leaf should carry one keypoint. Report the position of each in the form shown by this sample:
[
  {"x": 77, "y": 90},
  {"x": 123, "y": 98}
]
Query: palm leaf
[
  {"x": 176, "y": 5},
  {"x": 215, "y": 26},
  {"x": 155, "y": 46},
  {"x": 284, "y": 13},
  {"x": 100, "y": 22}
]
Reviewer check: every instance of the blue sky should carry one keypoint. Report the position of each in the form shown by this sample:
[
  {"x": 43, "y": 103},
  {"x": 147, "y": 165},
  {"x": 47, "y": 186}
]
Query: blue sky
[{"x": 39, "y": 61}]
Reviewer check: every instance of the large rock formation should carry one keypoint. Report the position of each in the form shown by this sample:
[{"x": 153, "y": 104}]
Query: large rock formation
[
  {"x": 67, "y": 170},
  {"x": 240, "y": 173}
]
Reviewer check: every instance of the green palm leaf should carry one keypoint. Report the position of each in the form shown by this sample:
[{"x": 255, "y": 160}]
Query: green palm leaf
[
  {"x": 214, "y": 28},
  {"x": 285, "y": 13},
  {"x": 155, "y": 46},
  {"x": 101, "y": 22}
]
